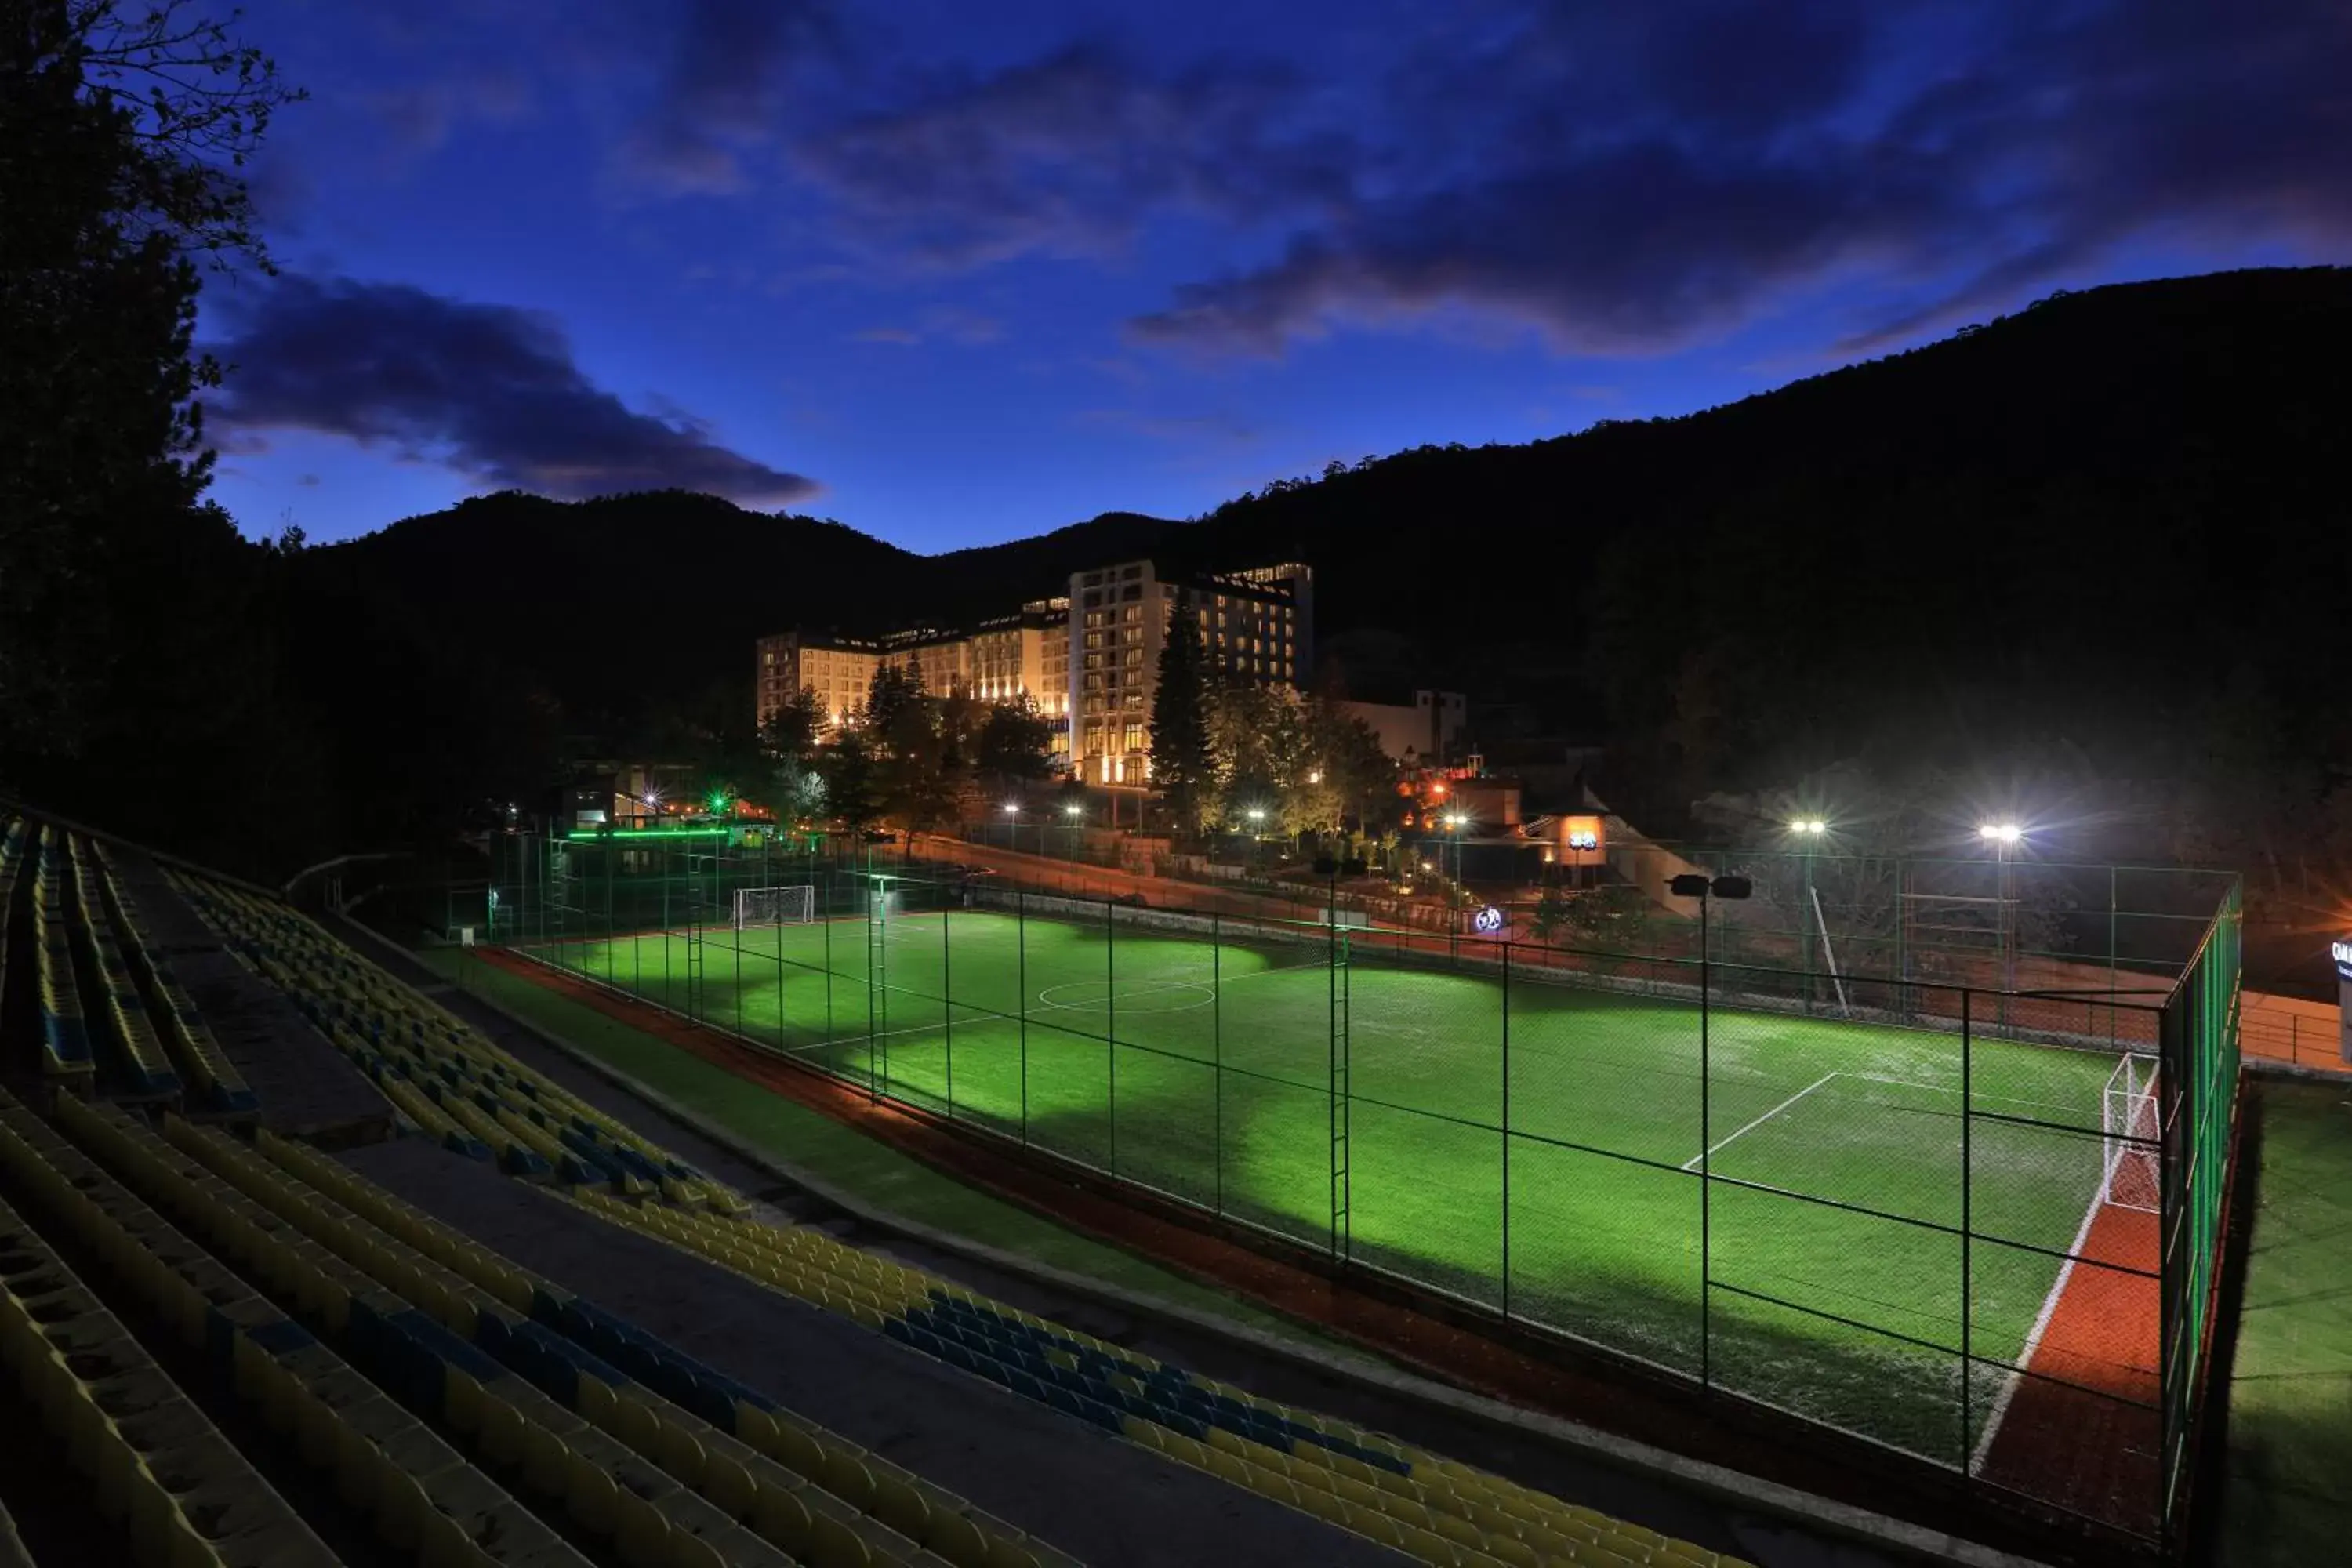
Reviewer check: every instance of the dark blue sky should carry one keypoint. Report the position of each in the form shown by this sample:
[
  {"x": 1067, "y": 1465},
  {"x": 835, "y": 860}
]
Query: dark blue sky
[{"x": 955, "y": 273}]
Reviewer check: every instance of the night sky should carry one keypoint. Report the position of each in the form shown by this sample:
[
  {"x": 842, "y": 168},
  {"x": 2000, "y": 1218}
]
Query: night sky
[{"x": 956, "y": 272}]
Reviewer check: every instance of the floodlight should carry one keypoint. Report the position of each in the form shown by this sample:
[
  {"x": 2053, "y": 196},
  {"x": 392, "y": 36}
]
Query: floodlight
[
  {"x": 2001, "y": 833},
  {"x": 1816, "y": 827},
  {"x": 1454, "y": 820},
  {"x": 1074, "y": 810},
  {"x": 1011, "y": 808},
  {"x": 1256, "y": 814}
]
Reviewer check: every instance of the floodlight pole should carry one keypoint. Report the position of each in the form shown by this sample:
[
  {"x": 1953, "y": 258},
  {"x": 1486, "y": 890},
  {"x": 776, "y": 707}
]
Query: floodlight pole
[
  {"x": 1807, "y": 929},
  {"x": 1706, "y": 1151},
  {"x": 1696, "y": 885}
]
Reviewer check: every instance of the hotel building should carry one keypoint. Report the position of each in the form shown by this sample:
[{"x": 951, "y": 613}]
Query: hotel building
[{"x": 1089, "y": 660}]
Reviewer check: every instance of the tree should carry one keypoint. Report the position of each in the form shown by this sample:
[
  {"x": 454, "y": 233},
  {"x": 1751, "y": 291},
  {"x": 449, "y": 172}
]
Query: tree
[
  {"x": 1552, "y": 920},
  {"x": 789, "y": 735},
  {"x": 1263, "y": 757},
  {"x": 1015, "y": 742},
  {"x": 852, "y": 785},
  {"x": 895, "y": 692},
  {"x": 1358, "y": 776},
  {"x": 129, "y": 640},
  {"x": 783, "y": 776},
  {"x": 1182, "y": 760}
]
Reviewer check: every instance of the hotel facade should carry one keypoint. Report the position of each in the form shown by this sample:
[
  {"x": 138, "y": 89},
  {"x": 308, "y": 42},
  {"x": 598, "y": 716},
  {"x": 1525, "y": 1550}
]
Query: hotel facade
[{"x": 1089, "y": 660}]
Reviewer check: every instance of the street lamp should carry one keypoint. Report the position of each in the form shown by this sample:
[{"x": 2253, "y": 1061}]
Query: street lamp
[
  {"x": 1011, "y": 808},
  {"x": 1454, "y": 822}
]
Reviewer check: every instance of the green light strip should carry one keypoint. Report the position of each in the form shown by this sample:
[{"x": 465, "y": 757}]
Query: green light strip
[{"x": 651, "y": 833}]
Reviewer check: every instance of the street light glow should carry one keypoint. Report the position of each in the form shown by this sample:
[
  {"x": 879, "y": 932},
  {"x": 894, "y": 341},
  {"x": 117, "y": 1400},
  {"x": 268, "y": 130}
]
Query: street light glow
[
  {"x": 1811, "y": 826},
  {"x": 2001, "y": 833},
  {"x": 1074, "y": 810},
  {"x": 1256, "y": 814},
  {"x": 1454, "y": 819},
  {"x": 1011, "y": 808}
]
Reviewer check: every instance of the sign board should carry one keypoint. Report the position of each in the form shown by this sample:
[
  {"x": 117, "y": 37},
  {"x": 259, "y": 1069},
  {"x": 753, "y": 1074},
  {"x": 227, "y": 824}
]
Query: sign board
[
  {"x": 1488, "y": 921},
  {"x": 1581, "y": 839}
]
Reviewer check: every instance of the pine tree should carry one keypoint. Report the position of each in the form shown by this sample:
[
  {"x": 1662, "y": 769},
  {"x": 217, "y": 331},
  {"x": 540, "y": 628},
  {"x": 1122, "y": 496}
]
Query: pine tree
[{"x": 1180, "y": 760}]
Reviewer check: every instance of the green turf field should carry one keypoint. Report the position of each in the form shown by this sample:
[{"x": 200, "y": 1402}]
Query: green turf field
[{"x": 1206, "y": 1070}]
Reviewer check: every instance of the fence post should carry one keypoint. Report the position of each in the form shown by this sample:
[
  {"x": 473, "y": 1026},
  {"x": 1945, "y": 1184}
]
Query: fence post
[
  {"x": 1110, "y": 1030},
  {"x": 1968, "y": 1221},
  {"x": 947, "y": 1006},
  {"x": 1217, "y": 1059},
  {"x": 1506, "y": 1132},
  {"x": 1021, "y": 979},
  {"x": 1705, "y": 1172}
]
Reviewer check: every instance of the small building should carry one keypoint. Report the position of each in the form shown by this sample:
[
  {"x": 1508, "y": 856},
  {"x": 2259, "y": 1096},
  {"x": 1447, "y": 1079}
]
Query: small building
[{"x": 1420, "y": 733}]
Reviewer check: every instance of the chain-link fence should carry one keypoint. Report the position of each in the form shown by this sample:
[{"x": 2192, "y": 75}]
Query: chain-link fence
[{"x": 1975, "y": 1224}]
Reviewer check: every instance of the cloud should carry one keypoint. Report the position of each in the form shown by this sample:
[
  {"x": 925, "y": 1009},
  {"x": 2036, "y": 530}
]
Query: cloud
[
  {"x": 1625, "y": 252},
  {"x": 490, "y": 391},
  {"x": 723, "y": 78},
  {"x": 1625, "y": 180},
  {"x": 1066, "y": 154}
]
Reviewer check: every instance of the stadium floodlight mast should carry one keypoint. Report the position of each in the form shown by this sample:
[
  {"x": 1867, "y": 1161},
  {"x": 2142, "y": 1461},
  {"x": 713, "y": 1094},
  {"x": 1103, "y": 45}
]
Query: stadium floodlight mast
[
  {"x": 1809, "y": 832},
  {"x": 2005, "y": 837}
]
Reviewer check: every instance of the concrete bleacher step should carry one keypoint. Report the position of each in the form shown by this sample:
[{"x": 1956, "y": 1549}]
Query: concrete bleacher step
[
  {"x": 302, "y": 1091},
  {"x": 1091, "y": 1495},
  {"x": 800, "y": 1487},
  {"x": 216, "y": 1088}
]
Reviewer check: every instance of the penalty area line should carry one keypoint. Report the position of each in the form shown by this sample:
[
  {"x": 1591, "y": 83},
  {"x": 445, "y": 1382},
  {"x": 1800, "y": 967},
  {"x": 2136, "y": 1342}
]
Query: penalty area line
[{"x": 1694, "y": 1162}]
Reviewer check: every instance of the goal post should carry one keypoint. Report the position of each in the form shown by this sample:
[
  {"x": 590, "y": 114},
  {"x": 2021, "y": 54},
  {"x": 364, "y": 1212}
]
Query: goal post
[
  {"x": 788, "y": 906},
  {"x": 2131, "y": 1177}
]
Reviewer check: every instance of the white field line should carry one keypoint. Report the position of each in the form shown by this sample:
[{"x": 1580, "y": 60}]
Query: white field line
[
  {"x": 1980, "y": 1096},
  {"x": 1693, "y": 1164},
  {"x": 1142, "y": 988},
  {"x": 2034, "y": 1335},
  {"x": 861, "y": 1040}
]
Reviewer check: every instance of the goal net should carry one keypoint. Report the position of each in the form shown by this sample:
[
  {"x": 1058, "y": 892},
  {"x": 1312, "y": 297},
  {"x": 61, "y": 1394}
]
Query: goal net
[
  {"x": 755, "y": 907},
  {"x": 2129, "y": 1119}
]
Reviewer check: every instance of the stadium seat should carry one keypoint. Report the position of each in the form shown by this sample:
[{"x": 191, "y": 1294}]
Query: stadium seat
[{"x": 166, "y": 1482}]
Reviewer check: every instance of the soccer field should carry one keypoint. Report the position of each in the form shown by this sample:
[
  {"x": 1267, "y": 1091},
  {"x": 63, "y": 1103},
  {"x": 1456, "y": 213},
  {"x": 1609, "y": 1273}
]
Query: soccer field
[{"x": 1835, "y": 1260}]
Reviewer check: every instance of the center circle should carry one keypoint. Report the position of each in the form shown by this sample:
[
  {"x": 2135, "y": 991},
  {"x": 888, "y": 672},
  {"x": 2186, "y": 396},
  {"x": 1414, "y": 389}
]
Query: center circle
[{"x": 1144, "y": 996}]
